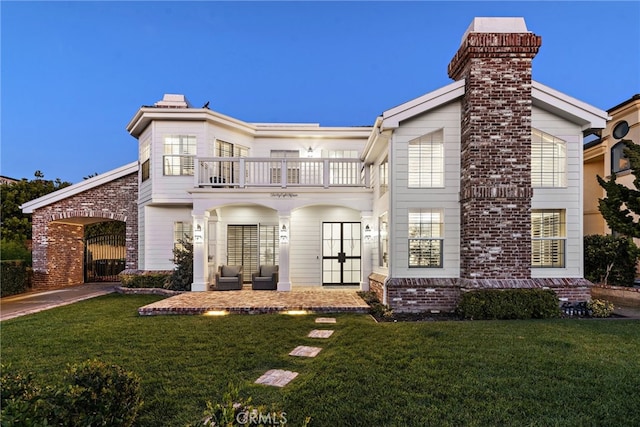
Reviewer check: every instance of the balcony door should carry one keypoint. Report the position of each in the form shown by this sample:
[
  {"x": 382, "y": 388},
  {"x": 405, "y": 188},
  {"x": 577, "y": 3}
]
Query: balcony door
[{"x": 341, "y": 253}]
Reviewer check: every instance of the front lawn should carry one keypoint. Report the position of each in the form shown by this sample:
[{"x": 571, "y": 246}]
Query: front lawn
[{"x": 457, "y": 373}]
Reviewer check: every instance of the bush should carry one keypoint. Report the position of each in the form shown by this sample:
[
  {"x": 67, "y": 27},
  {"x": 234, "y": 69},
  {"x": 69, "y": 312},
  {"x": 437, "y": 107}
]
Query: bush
[
  {"x": 94, "y": 393},
  {"x": 101, "y": 394},
  {"x": 22, "y": 401},
  {"x": 509, "y": 304},
  {"x": 144, "y": 279},
  {"x": 600, "y": 308},
  {"x": 16, "y": 277},
  {"x": 182, "y": 276},
  {"x": 610, "y": 260},
  {"x": 15, "y": 250}
]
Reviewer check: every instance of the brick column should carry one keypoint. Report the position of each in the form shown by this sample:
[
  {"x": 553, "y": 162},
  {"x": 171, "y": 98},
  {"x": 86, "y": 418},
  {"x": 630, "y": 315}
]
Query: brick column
[{"x": 496, "y": 191}]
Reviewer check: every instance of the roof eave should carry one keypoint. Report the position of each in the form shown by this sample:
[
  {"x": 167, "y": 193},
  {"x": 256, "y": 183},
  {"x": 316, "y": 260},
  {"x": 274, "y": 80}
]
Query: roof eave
[
  {"x": 79, "y": 187},
  {"x": 574, "y": 110}
]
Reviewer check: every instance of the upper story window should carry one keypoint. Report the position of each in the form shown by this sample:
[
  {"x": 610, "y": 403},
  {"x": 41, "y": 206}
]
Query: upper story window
[
  {"x": 426, "y": 161},
  {"x": 425, "y": 237},
  {"x": 383, "y": 176},
  {"x": 179, "y": 154},
  {"x": 619, "y": 162},
  {"x": 548, "y": 237},
  {"x": 145, "y": 160},
  {"x": 548, "y": 160}
]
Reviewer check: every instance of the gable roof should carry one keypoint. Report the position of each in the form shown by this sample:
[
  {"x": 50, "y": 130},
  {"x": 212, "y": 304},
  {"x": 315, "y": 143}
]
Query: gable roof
[
  {"x": 581, "y": 113},
  {"x": 80, "y": 187}
]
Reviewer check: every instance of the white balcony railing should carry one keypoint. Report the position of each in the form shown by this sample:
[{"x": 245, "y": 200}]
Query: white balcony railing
[{"x": 244, "y": 172}]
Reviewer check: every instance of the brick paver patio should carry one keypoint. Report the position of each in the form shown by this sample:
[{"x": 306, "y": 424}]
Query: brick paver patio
[{"x": 254, "y": 302}]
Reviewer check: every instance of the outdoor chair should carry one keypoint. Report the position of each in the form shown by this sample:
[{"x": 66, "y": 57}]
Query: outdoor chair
[
  {"x": 229, "y": 278},
  {"x": 265, "y": 279}
]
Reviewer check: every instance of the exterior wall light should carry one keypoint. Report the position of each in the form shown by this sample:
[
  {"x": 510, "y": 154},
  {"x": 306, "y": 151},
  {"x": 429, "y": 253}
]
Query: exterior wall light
[{"x": 284, "y": 234}]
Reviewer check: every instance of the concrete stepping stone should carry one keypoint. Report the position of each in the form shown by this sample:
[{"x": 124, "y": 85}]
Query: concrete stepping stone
[
  {"x": 326, "y": 320},
  {"x": 320, "y": 333},
  {"x": 305, "y": 351},
  {"x": 276, "y": 377}
]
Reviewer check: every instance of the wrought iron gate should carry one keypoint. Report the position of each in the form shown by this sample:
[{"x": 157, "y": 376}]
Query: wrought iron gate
[{"x": 104, "y": 258}]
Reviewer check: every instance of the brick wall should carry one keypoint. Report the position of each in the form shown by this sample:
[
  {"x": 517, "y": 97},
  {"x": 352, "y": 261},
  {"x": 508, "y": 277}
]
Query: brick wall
[
  {"x": 58, "y": 230},
  {"x": 419, "y": 295},
  {"x": 495, "y": 153}
]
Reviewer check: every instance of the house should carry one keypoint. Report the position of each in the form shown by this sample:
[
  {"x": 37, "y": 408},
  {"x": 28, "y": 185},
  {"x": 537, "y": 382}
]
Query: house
[
  {"x": 604, "y": 156},
  {"x": 477, "y": 184}
]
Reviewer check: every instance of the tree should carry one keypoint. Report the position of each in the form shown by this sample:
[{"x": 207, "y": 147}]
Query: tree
[
  {"x": 621, "y": 207},
  {"x": 16, "y": 226}
]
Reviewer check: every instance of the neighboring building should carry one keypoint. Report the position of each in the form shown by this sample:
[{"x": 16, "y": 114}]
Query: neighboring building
[
  {"x": 605, "y": 155},
  {"x": 7, "y": 180},
  {"x": 475, "y": 185}
]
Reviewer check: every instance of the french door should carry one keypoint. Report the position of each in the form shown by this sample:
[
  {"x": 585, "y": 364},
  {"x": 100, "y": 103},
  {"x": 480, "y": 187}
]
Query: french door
[{"x": 341, "y": 253}]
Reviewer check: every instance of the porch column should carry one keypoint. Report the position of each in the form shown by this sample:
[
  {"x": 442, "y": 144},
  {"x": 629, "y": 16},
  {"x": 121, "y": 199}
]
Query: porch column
[
  {"x": 366, "y": 221},
  {"x": 200, "y": 264},
  {"x": 284, "y": 279}
]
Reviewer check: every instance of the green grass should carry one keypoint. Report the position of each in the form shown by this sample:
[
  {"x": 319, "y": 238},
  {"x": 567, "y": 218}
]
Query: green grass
[{"x": 520, "y": 373}]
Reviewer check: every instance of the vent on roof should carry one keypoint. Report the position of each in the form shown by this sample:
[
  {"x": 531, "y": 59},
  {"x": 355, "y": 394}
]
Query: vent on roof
[{"x": 173, "y": 101}]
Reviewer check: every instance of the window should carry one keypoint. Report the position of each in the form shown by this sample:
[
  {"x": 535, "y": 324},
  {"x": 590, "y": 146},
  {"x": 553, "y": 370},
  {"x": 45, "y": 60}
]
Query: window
[
  {"x": 181, "y": 231},
  {"x": 179, "y": 153},
  {"x": 293, "y": 167},
  {"x": 426, "y": 161},
  {"x": 269, "y": 244},
  {"x": 548, "y": 160},
  {"x": 425, "y": 237},
  {"x": 548, "y": 237},
  {"x": 383, "y": 171},
  {"x": 383, "y": 241},
  {"x": 145, "y": 163},
  {"x": 619, "y": 162}
]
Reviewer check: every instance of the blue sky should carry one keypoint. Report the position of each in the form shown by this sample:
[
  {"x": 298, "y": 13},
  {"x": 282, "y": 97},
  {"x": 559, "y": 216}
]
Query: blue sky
[{"x": 74, "y": 73}]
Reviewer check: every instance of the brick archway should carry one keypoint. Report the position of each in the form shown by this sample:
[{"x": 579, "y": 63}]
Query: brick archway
[{"x": 58, "y": 229}]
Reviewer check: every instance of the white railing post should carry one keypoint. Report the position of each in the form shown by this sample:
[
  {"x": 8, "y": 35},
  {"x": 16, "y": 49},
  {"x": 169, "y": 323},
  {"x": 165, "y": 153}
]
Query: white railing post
[
  {"x": 325, "y": 173},
  {"x": 243, "y": 173}
]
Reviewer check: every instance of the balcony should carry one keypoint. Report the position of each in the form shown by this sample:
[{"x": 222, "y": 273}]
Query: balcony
[{"x": 242, "y": 172}]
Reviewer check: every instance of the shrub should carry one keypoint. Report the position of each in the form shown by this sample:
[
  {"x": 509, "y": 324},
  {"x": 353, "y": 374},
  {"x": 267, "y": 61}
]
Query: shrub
[
  {"x": 22, "y": 401},
  {"x": 610, "y": 260},
  {"x": 182, "y": 276},
  {"x": 509, "y": 304},
  {"x": 93, "y": 393},
  {"x": 16, "y": 277},
  {"x": 600, "y": 308},
  {"x": 101, "y": 394},
  {"x": 15, "y": 250},
  {"x": 144, "y": 279}
]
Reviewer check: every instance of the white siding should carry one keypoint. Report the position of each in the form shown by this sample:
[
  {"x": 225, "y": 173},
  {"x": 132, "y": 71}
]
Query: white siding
[
  {"x": 569, "y": 198},
  {"x": 158, "y": 238},
  {"x": 446, "y": 117}
]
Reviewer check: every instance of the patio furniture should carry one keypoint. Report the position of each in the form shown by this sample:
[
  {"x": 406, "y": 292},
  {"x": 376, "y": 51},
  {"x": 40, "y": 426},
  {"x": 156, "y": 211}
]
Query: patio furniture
[
  {"x": 265, "y": 279},
  {"x": 229, "y": 278}
]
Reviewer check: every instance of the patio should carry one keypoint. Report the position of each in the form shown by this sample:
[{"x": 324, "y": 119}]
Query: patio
[{"x": 247, "y": 301}]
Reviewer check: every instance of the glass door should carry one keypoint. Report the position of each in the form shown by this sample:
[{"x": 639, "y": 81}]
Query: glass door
[{"x": 341, "y": 253}]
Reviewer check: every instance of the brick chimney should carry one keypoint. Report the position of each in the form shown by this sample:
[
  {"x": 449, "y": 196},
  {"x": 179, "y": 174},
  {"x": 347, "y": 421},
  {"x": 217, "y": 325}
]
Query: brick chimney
[{"x": 494, "y": 59}]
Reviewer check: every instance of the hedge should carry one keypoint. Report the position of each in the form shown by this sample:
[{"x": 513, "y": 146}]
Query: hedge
[
  {"x": 16, "y": 277},
  {"x": 509, "y": 304}
]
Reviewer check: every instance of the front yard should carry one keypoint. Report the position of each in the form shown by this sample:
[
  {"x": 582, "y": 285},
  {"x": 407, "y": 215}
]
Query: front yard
[{"x": 457, "y": 373}]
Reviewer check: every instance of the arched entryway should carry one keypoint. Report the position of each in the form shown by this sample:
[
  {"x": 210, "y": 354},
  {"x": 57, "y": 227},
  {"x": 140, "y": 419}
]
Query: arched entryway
[{"x": 59, "y": 221}]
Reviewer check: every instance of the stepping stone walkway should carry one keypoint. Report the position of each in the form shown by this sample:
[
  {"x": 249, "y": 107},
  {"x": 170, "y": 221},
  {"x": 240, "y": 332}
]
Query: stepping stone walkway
[
  {"x": 305, "y": 351},
  {"x": 279, "y": 377},
  {"x": 276, "y": 377},
  {"x": 320, "y": 333}
]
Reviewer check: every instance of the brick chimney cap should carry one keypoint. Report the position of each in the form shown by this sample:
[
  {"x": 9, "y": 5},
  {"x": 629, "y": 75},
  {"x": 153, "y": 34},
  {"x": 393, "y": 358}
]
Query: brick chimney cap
[{"x": 496, "y": 25}]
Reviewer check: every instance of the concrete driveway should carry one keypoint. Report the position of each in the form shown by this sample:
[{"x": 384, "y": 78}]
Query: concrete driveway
[{"x": 33, "y": 302}]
